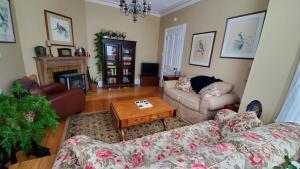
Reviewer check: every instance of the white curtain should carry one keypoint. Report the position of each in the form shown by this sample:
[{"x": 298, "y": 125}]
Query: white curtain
[{"x": 290, "y": 111}]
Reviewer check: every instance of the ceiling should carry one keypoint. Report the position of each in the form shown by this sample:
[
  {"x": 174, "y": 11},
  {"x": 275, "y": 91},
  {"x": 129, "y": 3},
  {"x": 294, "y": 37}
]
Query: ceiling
[{"x": 159, "y": 7}]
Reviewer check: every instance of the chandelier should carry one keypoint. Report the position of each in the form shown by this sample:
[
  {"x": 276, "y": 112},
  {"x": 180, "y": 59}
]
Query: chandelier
[{"x": 135, "y": 8}]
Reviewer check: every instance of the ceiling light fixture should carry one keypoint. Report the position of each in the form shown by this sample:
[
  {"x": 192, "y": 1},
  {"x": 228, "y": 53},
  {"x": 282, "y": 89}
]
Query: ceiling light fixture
[{"x": 135, "y": 8}]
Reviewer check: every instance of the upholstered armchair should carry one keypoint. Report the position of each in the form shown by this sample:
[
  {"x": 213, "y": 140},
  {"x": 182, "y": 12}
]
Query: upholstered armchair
[{"x": 64, "y": 102}]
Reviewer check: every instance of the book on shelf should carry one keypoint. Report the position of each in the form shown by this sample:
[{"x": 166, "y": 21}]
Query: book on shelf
[
  {"x": 126, "y": 72},
  {"x": 126, "y": 63},
  {"x": 112, "y": 80}
]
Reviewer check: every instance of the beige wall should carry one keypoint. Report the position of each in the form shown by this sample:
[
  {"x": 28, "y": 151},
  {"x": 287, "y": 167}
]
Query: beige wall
[
  {"x": 211, "y": 15},
  {"x": 276, "y": 58},
  {"x": 11, "y": 61},
  {"x": 30, "y": 17},
  {"x": 145, "y": 32}
]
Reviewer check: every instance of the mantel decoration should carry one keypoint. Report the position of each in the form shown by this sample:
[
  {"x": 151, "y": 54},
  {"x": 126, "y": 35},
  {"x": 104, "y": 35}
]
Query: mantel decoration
[
  {"x": 6, "y": 23},
  {"x": 242, "y": 35},
  {"x": 59, "y": 29},
  {"x": 135, "y": 8},
  {"x": 99, "y": 45},
  {"x": 202, "y": 47}
]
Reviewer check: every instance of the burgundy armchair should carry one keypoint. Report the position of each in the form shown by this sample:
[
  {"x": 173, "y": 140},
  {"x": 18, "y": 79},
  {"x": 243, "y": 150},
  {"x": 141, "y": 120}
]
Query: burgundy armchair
[{"x": 64, "y": 102}]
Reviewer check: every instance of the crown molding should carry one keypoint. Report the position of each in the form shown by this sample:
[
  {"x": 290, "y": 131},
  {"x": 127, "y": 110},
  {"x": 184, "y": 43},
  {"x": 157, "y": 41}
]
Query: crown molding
[
  {"x": 103, "y": 2},
  {"x": 167, "y": 11},
  {"x": 178, "y": 7}
]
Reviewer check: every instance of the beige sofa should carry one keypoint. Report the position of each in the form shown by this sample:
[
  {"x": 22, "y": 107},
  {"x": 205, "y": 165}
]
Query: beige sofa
[{"x": 191, "y": 107}]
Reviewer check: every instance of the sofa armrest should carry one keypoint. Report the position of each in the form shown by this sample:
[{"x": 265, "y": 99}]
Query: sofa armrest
[
  {"x": 68, "y": 103},
  {"x": 169, "y": 84},
  {"x": 219, "y": 102},
  {"x": 54, "y": 88}
]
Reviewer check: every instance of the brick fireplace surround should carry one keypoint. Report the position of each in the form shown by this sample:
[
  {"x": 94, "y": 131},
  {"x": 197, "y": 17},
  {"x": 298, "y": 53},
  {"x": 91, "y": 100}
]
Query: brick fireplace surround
[{"x": 46, "y": 66}]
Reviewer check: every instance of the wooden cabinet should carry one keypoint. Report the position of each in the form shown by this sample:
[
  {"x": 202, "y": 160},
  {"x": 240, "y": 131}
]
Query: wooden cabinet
[{"x": 119, "y": 62}]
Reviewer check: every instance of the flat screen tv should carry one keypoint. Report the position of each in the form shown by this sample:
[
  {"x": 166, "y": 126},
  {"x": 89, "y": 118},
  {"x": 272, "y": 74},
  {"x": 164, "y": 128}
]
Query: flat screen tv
[{"x": 149, "y": 69}]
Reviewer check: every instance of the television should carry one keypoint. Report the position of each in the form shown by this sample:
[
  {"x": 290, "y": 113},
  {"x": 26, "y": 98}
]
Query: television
[{"x": 149, "y": 69}]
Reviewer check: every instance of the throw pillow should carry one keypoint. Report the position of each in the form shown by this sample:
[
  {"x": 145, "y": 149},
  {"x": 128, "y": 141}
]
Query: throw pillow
[
  {"x": 208, "y": 92},
  {"x": 224, "y": 115},
  {"x": 184, "y": 84},
  {"x": 223, "y": 87},
  {"x": 216, "y": 89},
  {"x": 199, "y": 82},
  {"x": 240, "y": 122}
]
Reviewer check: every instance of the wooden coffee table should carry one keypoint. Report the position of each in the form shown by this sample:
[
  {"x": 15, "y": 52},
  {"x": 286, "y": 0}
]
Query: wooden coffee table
[{"x": 127, "y": 114}]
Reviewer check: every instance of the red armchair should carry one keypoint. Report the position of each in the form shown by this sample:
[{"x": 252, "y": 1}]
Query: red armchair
[{"x": 64, "y": 102}]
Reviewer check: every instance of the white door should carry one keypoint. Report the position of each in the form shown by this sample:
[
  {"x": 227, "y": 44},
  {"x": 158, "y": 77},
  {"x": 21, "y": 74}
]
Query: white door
[{"x": 173, "y": 50}]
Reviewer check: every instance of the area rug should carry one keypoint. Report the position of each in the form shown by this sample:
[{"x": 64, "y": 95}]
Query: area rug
[{"x": 100, "y": 127}]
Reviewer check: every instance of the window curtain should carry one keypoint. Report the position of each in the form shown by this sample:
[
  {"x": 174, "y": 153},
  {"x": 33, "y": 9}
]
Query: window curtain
[{"x": 290, "y": 111}]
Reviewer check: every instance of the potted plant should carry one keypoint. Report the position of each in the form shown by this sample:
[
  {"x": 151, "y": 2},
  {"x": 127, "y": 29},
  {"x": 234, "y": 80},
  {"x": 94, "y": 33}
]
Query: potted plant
[
  {"x": 93, "y": 83},
  {"x": 24, "y": 120}
]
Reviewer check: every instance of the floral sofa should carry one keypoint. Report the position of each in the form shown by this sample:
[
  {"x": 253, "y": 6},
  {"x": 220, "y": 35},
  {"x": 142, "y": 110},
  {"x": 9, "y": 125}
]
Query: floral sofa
[{"x": 199, "y": 146}]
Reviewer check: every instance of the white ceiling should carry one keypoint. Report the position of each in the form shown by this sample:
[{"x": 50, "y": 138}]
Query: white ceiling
[{"x": 159, "y": 7}]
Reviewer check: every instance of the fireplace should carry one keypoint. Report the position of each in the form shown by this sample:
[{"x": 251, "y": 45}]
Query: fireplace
[
  {"x": 56, "y": 75},
  {"x": 73, "y": 80},
  {"x": 50, "y": 69}
]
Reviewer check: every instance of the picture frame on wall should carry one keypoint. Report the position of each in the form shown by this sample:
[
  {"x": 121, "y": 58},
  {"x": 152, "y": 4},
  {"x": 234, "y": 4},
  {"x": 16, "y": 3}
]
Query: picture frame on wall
[
  {"x": 202, "y": 48},
  {"x": 242, "y": 35},
  {"x": 59, "y": 29},
  {"x": 7, "y": 34}
]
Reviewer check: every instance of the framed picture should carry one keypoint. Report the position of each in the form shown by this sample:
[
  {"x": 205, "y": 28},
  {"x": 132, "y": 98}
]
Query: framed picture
[
  {"x": 6, "y": 24},
  {"x": 59, "y": 29},
  {"x": 202, "y": 47},
  {"x": 242, "y": 35}
]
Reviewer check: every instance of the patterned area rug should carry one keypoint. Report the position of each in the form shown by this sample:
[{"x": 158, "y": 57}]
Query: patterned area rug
[{"x": 100, "y": 127}]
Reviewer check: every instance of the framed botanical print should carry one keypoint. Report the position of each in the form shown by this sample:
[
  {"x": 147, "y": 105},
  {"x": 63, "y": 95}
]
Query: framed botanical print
[
  {"x": 59, "y": 29},
  {"x": 202, "y": 48},
  {"x": 6, "y": 23},
  {"x": 242, "y": 35}
]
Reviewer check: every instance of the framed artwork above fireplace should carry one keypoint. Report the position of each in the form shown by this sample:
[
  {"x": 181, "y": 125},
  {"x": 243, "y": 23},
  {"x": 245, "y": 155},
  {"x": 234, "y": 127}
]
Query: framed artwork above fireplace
[{"x": 59, "y": 29}]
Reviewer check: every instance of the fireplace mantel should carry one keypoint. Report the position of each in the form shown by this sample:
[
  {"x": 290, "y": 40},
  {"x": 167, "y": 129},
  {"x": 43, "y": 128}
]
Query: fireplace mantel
[{"x": 47, "y": 65}]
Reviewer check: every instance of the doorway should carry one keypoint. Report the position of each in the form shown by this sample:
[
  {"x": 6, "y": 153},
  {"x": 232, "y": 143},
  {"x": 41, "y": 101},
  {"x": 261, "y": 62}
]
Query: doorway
[{"x": 173, "y": 50}]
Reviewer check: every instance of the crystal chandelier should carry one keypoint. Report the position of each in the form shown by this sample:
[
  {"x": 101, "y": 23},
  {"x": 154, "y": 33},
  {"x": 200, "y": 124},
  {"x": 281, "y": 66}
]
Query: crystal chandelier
[{"x": 135, "y": 8}]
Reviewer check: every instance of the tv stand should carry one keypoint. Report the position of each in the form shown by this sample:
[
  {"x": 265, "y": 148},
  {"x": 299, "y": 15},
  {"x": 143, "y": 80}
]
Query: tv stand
[{"x": 149, "y": 80}]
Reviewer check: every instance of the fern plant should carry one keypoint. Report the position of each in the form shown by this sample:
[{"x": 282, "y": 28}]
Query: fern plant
[{"x": 18, "y": 131}]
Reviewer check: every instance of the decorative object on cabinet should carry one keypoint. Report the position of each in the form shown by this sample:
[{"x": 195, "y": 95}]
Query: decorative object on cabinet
[
  {"x": 242, "y": 35},
  {"x": 135, "y": 8},
  {"x": 118, "y": 62},
  {"x": 40, "y": 51},
  {"x": 64, "y": 52},
  {"x": 256, "y": 106},
  {"x": 6, "y": 27},
  {"x": 202, "y": 47},
  {"x": 59, "y": 29}
]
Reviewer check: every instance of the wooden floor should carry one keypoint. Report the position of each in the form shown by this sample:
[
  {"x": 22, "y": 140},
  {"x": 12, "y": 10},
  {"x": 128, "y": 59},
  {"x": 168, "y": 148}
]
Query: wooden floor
[{"x": 95, "y": 102}]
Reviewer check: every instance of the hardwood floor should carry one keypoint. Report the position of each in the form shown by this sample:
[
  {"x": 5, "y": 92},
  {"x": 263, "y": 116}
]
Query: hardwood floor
[{"x": 95, "y": 102}]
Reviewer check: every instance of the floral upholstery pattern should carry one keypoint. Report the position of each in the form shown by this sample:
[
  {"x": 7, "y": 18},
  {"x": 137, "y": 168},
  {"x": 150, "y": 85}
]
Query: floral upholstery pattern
[
  {"x": 240, "y": 122},
  {"x": 184, "y": 84},
  {"x": 138, "y": 152},
  {"x": 265, "y": 147},
  {"x": 199, "y": 146}
]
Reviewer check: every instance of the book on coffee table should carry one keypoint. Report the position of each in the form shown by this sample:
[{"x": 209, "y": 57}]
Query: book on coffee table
[{"x": 143, "y": 104}]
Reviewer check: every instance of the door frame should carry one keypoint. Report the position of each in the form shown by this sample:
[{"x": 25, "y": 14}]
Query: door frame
[{"x": 182, "y": 26}]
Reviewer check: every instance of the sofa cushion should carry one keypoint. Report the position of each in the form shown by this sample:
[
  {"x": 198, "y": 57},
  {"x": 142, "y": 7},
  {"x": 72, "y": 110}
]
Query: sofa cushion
[
  {"x": 184, "y": 84},
  {"x": 265, "y": 147},
  {"x": 210, "y": 156},
  {"x": 190, "y": 100},
  {"x": 216, "y": 89},
  {"x": 240, "y": 122},
  {"x": 174, "y": 93}
]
